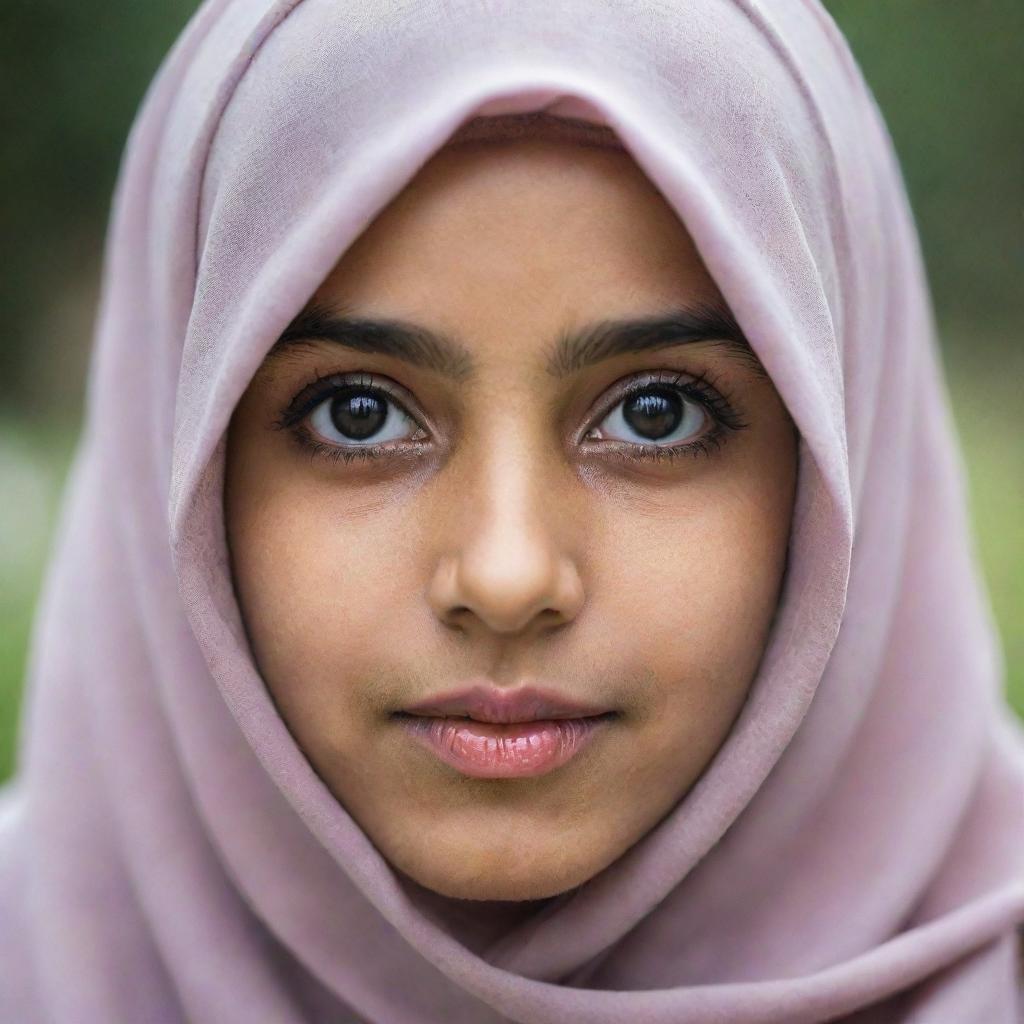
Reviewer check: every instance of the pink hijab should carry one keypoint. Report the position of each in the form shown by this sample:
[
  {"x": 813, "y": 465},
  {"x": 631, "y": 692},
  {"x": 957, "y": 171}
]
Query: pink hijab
[{"x": 855, "y": 849}]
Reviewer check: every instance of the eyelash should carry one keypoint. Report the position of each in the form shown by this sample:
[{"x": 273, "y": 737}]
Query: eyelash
[{"x": 699, "y": 388}]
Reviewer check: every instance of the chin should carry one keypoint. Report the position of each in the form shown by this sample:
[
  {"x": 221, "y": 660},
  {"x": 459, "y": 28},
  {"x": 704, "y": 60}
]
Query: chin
[
  {"x": 505, "y": 879},
  {"x": 500, "y": 889}
]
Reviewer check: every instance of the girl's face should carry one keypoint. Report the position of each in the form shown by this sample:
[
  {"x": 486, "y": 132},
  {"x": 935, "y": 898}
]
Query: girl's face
[{"x": 508, "y": 508}]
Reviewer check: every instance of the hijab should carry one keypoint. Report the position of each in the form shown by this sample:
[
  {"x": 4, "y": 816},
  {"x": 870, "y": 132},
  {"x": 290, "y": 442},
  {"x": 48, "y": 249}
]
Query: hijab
[{"x": 852, "y": 851}]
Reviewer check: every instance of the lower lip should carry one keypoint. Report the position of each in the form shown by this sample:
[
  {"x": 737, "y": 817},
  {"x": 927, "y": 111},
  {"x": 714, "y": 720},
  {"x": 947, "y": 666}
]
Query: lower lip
[{"x": 507, "y": 750}]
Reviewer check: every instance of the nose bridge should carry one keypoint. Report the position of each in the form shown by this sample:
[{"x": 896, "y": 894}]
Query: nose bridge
[
  {"x": 507, "y": 547},
  {"x": 507, "y": 516}
]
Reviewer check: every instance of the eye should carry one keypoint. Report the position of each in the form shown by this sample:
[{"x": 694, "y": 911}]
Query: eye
[
  {"x": 655, "y": 414},
  {"x": 360, "y": 415}
]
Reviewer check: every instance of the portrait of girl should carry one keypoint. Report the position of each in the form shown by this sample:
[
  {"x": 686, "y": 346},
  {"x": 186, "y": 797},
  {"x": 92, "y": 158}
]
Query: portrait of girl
[{"x": 516, "y": 566}]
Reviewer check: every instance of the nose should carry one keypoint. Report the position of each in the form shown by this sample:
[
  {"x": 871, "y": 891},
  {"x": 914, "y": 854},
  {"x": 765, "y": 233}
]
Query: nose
[{"x": 505, "y": 566}]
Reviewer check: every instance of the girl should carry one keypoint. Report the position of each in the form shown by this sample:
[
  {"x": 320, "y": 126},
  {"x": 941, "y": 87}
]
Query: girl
[{"x": 515, "y": 568}]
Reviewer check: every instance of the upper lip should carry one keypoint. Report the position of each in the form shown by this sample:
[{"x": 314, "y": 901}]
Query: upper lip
[{"x": 488, "y": 703}]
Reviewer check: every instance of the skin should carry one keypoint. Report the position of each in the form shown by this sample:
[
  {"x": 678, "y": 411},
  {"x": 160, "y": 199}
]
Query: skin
[{"x": 511, "y": 544}]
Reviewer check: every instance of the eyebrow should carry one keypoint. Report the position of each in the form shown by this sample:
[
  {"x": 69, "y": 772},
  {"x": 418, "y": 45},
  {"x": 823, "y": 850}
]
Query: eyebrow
[{"x": 573, "y": 350}]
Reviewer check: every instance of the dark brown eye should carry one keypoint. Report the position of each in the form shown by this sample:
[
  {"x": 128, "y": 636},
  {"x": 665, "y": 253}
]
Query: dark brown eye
[
  {"x": 358, "y": 414},
  {"x": 655, "y": 414}
]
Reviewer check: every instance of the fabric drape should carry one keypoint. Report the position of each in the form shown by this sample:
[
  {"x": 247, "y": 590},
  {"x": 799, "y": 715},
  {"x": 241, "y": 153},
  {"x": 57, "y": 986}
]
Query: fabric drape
[{"x": 855, "y": 849}]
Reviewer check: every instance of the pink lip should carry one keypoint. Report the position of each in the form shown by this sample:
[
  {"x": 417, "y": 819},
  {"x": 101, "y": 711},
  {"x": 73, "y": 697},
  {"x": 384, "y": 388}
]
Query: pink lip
[
  {"x": 490, "y": 733},
  {"x": 486, "y": 703}
]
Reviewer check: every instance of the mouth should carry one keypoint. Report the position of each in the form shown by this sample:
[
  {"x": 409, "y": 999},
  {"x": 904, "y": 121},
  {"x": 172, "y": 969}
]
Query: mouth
[
  {"x": 489, "y": 733},
  {"x": 514, "y": 750}
]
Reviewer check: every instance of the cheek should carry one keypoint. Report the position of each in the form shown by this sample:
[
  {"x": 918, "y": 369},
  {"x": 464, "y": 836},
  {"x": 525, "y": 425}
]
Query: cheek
[
  {"x": 322, "y": 583},
  {"x": 699, "y": 574},
  {"x": 689, "y": 593}
]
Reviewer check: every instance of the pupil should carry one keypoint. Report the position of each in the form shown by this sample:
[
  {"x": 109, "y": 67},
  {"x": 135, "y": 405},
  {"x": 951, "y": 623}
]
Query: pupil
[
  {"x": 654, "y": 414},
  {"x": 358, "y": 414}
]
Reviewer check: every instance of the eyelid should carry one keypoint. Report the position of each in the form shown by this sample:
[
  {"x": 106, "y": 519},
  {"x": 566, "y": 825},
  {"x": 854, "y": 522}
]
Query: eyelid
[
  {"x": 697, "y": 387},
  {"x": 321, "y": 389}
]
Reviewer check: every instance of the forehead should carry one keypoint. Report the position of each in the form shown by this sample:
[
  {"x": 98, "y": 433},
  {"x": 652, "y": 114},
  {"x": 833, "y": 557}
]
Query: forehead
[{"x": 543, "y": 228}]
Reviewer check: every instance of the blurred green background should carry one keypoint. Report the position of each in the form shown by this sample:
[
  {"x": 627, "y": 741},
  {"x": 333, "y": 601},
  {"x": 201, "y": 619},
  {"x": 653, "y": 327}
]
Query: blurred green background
[{"x": 948, "y": 77}]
